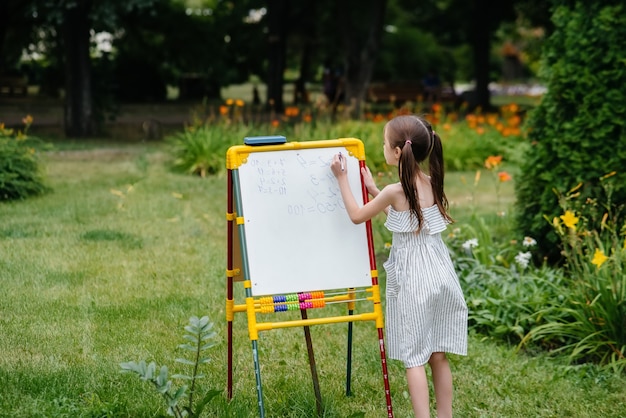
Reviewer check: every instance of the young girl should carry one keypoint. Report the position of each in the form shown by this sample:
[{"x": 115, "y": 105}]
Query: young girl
[{"x": 426, "y": 314}]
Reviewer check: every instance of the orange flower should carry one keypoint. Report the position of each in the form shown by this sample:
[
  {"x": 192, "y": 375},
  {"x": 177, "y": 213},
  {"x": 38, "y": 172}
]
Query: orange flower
[
  {"x": 239, "y": 103},
  {"x": 275, "y": 123},
  {"x": 504, "y": 176},
  {"x": 307, "y": 118},
  {"x": 480, "y": 130},
  {"x": 514, "y": 121},
  {"x": 447, "y": 126},
  {"x": 493, "y": 161},
  {"x": 292, "y": 111},
  {"x": 229, "y": 102},
  {"x": 436, "y": 107},
  {"x": 223, "y": 110}
]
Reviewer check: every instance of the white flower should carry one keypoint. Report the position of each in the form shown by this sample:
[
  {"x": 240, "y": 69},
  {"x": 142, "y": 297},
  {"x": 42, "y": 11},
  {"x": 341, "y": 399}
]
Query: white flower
[
  {"x": 470, "y": 243},
  {"x": 529, "y": 242},
  {"x": 523, "y": 259}
]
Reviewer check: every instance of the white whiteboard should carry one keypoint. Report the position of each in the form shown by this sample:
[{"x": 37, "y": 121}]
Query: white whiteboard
[{"x": 298, "y": 235}]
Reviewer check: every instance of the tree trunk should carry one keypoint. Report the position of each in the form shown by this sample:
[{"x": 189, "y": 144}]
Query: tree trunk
[
  {"x": 360, "y": 58},
  {"x": 300, "y": 93},
  {"x": 481, "y": 47},
  {"x": 4, "y": 25},
  {"x": 79, "y": 117},
  {"x": 277, "y": 15}
]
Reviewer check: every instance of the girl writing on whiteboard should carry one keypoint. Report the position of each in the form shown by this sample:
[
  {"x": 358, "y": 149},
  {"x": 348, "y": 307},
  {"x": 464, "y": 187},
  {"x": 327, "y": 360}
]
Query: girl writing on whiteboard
[{"x": 426, "y": 313}]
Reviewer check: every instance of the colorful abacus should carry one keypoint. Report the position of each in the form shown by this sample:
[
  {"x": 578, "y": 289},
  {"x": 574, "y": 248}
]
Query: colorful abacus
[{"x": 292, "y": 302}]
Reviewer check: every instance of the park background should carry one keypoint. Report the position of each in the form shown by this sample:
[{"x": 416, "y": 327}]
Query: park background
[{"x": 115, "y": 118}]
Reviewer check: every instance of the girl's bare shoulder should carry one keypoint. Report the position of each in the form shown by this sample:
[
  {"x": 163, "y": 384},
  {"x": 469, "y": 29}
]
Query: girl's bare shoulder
[
  {"x": 394, "y": 188},
  {"x": 396, "y": 196}
]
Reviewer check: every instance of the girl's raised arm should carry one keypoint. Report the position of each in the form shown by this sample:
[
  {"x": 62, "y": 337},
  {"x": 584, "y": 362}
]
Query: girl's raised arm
[{"x": 380, "y": 203}]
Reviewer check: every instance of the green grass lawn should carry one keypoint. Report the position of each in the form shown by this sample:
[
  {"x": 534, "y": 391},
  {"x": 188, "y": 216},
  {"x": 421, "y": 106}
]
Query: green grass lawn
[{"x": 109, "y": 267}]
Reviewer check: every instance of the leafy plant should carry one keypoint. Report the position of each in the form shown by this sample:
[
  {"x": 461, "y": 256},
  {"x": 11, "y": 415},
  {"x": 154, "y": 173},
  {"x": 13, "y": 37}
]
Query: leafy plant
[
  {"x": 199, "y": 338},
  {"x": 590, "y": 324},
  {"x": 20, "y": 165},
  {"x": 503, "y": 302},
  {"x": 199, "y": 150},
  {"x": 502, "y": 288}
]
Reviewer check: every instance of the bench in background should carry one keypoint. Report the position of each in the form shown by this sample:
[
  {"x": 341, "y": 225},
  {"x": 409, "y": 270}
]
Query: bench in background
[
  {"x": 398, "y": 93},
  {"x": 13, "y": 85}
]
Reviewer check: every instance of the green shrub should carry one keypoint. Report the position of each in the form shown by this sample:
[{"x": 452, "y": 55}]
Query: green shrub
[
  {"x": 21, "y": 173},
  {"x": 577, "y": 131},
  {"x": 201, "y": 149}
]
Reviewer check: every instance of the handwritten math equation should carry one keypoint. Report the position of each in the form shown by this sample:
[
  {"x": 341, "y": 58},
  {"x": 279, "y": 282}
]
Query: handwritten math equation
[{"x": 305, "y": 184}]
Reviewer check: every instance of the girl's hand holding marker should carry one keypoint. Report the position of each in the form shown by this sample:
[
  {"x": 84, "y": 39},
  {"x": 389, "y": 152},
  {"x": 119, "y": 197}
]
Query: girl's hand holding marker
[{"x": 338, "y": 165}]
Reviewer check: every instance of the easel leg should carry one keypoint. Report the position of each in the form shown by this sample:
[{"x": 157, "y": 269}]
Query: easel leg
[
  {"x": 230, "y": 360},
  {"x": 383, "y": 359},
  {"x": 229, "y": 283},
  {"x": 257, "y": 373},
  {"x": 309, "y": 348},
  {"x": 349, "y": 359},
  {"x": 351, "y": 307},
  {"x": 229, "y": 319}
]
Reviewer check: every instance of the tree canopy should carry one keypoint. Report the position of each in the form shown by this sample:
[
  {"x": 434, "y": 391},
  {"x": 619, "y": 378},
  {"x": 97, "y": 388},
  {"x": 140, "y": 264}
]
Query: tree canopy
[{"x": 201, "y": 46}]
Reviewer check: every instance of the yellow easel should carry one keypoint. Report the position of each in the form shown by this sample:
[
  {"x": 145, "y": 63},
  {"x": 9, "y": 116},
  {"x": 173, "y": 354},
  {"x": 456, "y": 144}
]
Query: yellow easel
[{"x": 272, "y": 181}]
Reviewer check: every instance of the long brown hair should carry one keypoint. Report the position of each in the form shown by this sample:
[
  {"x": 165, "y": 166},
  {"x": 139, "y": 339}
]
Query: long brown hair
[{"x": 418, "y": 142}]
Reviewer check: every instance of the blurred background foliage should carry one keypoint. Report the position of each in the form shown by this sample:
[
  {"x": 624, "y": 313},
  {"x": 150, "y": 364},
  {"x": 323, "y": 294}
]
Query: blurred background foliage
[{"x": 106, "y": 53}]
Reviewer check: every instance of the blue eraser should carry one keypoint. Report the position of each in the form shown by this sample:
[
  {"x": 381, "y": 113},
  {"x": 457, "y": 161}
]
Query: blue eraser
[{"x": 264, "y": 140}]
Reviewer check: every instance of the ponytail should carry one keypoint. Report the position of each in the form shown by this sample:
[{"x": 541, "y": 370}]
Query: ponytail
[
  {"x": 437, "y": 175},
  {"x": 407, "y": 170}
]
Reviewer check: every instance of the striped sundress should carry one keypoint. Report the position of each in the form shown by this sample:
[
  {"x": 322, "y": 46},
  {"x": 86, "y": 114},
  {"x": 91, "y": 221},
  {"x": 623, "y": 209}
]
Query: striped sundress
[{"x": 425, "y": 308}]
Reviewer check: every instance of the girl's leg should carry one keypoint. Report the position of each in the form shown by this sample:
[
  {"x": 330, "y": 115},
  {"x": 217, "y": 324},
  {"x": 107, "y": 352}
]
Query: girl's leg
[
  {"x": 442, "y": 381},
  {"x": 418, "y": 389}
]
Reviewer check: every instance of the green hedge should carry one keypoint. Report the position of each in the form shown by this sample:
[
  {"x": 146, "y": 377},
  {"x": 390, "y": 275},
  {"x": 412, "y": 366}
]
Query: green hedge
[
  {"x": 577, "y": 131},
  {"x": 21, "y": 172}
]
